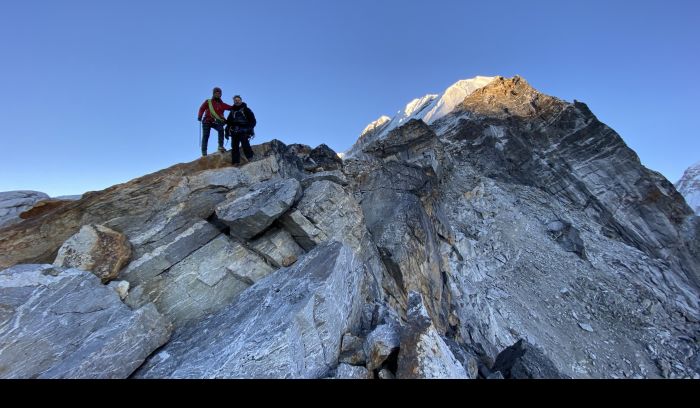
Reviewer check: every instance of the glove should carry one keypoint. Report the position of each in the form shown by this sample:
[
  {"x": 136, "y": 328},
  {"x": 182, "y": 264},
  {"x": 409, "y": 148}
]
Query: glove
[{"x": 199, "y": 119}]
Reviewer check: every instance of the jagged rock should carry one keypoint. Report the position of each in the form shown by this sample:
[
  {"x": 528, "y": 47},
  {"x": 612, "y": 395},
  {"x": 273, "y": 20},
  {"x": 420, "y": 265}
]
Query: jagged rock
[
  {"x": 335, "y": 176},
  {"x": 379, "y": 345},
  {"x": 567, "y": 236},
  {"x": 352, "y": 350},
  {"x": 288, "y": 325},
  {"x": 523, "y": 360},
  {"x": 278, "y": 247},
  {"x": 162, "y": 258},
  {"x": 428, "y": 109},
  {"x": 203, "y": 282},
  {"x": 424, "y": 353},
  {"x": 13, "y": 203},
  {"x": 563, "y": 149},
  {"x": 376, "y": 314},
  {"x": 385, "y": 374},
  {"x": 326, "y": 158},
  {"x": 63, "y": 323},
  {"x": 321, "y": 158},
  {"x": 254, "y": 212},
  {"x": 121, "y": 287},
  {"x": 140, "y": 207},
  {"x": 495, "y": 376},
  {"x": 457, "y": 210},
  {"x": 351, "y": 372},
  {"x": 469, "y": 361},
  {"x": 333, "y": 210},
  {"x": 412, "y": 137},
  {"x": 302, "y": 230},
  {"x": 587, "y": 327},
  {"x": 97, "y": 249},
  {"x": 405, "y": 227}
]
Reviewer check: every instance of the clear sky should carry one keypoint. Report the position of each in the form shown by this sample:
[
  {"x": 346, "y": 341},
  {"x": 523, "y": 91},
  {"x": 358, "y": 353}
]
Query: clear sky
[{"x": 95, "y": 93}]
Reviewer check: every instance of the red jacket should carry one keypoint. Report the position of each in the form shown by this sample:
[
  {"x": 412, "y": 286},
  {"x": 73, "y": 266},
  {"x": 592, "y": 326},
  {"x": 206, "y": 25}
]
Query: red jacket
[{"x": 219, "y": 108}]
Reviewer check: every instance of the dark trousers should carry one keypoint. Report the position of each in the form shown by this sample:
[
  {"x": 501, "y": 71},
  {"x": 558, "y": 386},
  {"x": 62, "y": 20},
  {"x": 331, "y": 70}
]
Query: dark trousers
[
  {"x": 242, "y": 139},
  {"x": 206, "y": 128}
]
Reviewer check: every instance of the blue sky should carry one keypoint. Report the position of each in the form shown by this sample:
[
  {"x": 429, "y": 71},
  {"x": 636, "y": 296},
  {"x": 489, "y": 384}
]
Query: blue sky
[{"x": 95, "y": 93}]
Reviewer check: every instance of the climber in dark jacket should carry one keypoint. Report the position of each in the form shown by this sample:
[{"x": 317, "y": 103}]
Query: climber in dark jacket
[{"x": 240, "y": 125}]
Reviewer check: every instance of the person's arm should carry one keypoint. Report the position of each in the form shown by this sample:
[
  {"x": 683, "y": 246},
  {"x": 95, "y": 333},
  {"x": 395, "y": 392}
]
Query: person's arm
[{"x": 201, "y": 110}]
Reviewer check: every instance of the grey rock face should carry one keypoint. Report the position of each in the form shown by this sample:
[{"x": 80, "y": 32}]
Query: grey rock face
[
  {"x": 278, "y": 247},
  {"x": 254, "y": 212},
  {"x": 352, "y": 350},
  {"x": 469, "y": 361},
  {"x": 149, "y": 210},
  {"x": 335, "y": 176},
  {"x": 385, "y": 374},
  {"x": 531, "y": 139},
  {"x": 13, "y": 203},
  {"x": 302, "y": 230},
  {"x": 495, "y": 376},
  {"x": 350, "y": 372},
  {"x": 121, "y": 287},
  {"x": 152, "y": 264},
  {"x": 321, "y": 158},
  {"x": 63, "y": 323},
  {"x": 204, "y": 282},
  {"x": 334, "y": 211},
  {"x": 515, "y": 216},
  {"x": 288, "y": 325},
  {"x": 97, "y": 249},
  {"x": 379, "y": 345},
  {"x": 401, "y": 142},
  {"x": 522, "y": 360},
  {"x": 424, "y": 353},
  {"x": 521, "y": 158},
  {"x": 405, "y": 225},
  {"x": 567, "y": 236},
  {"x": 462, "y": 218}
]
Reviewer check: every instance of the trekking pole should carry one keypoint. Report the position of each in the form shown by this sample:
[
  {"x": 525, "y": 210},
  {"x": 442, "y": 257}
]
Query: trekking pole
[{"x": 200, "y": 135}]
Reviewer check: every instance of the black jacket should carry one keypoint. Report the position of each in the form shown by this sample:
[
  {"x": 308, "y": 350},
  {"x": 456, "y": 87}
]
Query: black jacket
[{"x": 250, "y": 117}]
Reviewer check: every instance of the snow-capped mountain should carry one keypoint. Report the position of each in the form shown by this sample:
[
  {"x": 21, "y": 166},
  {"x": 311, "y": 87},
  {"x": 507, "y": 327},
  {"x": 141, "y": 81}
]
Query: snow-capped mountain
[
  {"x": 689, "y": 186},
  {"x": 429, "y": 108}
]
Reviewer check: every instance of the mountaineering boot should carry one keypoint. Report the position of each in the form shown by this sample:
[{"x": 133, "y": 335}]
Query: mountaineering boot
[{"x": 222, "y": 149}]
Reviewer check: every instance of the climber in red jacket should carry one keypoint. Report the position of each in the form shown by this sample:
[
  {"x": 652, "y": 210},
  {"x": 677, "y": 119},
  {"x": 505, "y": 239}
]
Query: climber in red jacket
[{"x": 213, "y": 111}]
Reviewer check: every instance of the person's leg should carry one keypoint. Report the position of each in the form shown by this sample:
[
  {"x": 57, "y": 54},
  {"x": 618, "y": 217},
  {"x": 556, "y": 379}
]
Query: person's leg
[
  {"x": 206, "y": 128},
  {"x": 245, "y": 143},
  {"x": 220, "y": 128},
  {"x": 235, "y": 153}
]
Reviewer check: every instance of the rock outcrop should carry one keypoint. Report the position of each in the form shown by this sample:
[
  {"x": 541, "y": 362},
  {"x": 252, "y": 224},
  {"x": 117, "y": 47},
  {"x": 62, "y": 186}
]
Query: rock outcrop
[
  {"x": 505, "y": 234},
  {"x": 63, "y": 323},
  {"x": 14, "y": 203}
]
